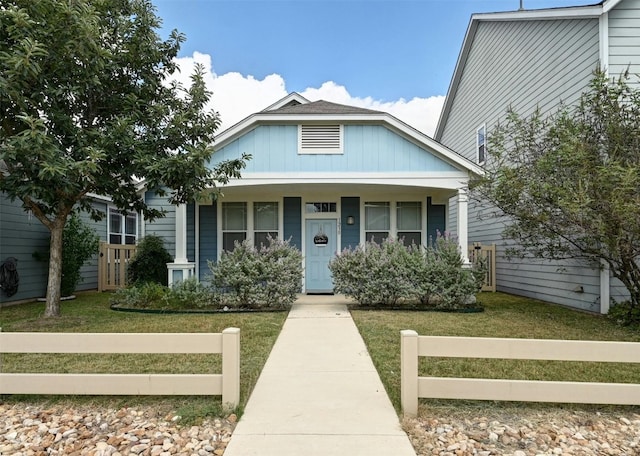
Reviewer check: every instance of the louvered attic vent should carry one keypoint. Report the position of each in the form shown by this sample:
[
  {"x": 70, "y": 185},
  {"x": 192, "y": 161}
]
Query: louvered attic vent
[{"x": 320, "y": 139}]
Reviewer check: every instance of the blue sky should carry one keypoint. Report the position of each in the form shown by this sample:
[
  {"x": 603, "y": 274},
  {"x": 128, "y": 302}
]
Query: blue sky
[{"x": 393, "y": 55}]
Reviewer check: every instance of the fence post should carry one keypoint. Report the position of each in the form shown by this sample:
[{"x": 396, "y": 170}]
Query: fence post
[
  {"x": 409, "y": 372},
  {"x": 231, "y": 367}
]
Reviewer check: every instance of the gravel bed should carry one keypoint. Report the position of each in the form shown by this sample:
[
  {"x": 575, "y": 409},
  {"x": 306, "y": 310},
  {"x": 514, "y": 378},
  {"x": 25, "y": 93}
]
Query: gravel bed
[
  {"x": 29, "y": 430},
  {"x": 524, "y": 432}
]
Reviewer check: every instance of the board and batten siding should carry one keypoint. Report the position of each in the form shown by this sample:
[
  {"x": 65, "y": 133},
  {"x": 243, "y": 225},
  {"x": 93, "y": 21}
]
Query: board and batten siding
[
  {"x": 523, "y": 65},
  {"x": 624, "y": 39},
  {"x": 367, "y": 148}
]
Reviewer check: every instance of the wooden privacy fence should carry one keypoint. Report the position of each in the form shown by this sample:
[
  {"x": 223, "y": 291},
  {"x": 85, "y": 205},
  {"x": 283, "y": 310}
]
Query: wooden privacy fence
[
  {"x": 226, "y": 384},
  {"x": 414, "y": 387},
  {"x": 112, "y": 265},
  {"x": 488, "y": 254}
]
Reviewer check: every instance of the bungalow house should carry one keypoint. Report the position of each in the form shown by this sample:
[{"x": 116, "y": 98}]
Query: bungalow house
[
  {"x": 324, "y": 175},
  {"x": 526, "y": 59}
]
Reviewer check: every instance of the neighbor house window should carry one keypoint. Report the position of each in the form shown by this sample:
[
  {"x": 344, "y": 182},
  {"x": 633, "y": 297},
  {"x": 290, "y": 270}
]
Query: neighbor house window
[
  {"x": 377, "y": 221},
  {"x": 409, "y": 221},
  {"x": 123, "y": 228},
  {"x": 265, "y": 222},
  {"x": 234, "y": 224},
  {"x": 481, "y": 144},
  {"x": 320, "y": 139}
]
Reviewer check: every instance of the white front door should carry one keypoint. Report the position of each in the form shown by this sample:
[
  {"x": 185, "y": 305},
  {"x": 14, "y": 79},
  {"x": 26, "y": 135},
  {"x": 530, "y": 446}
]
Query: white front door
[{"x": 320, "y": 247}]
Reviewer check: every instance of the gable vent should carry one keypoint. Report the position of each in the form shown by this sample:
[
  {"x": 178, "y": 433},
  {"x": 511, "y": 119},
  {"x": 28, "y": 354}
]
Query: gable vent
[{"x": 320, "y": 139}]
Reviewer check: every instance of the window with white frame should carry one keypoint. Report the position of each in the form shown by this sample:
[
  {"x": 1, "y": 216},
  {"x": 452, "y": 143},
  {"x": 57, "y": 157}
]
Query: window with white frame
[
  {"x": 123, "y": 228},
  {"x": 234, "y": 224},
  {"x": 481, "y": 144},
  {"x": 377, "y": 221},
  {"x": 409, "y": 222},
  {"x": 265, "y": 222},
  {"x": 320, "y": 139}
]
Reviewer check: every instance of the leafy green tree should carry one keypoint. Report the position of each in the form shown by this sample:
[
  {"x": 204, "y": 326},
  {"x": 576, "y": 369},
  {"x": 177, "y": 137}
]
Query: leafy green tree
[
  {"x": 570, "y": 182},
  {"x": 86, "y": 108}
]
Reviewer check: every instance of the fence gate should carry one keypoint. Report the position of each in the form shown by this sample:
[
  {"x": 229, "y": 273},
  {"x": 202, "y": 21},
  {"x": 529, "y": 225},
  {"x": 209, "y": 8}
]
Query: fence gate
[
  {"x": 487, "y": 253},
  {"x": 112, "y": 265}
]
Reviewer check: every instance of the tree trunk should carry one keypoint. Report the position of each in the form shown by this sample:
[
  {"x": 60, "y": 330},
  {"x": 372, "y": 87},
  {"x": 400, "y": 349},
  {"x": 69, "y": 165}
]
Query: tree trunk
[{"x": 52, "y": 308}]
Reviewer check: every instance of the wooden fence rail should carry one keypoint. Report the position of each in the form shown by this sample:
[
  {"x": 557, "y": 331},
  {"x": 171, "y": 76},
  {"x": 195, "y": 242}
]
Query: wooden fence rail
[
  {"x": 112, "y": 265},
  {"x": 414, "y": 387},
  {"x": 226, "y": 384}
]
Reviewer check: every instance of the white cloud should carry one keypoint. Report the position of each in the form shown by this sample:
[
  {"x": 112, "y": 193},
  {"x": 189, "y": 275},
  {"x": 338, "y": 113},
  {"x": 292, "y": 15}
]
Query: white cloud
[{"x": 236, "y": 96}]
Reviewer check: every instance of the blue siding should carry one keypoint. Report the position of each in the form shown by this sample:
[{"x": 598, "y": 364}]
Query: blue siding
[
  {"x": 293, "y": 221},
  {"x": 350, "y": 233},
  {"x": 436, "y": 219},
  {"x": 208, "y": 229},
  {"x": 367, "y": 148},
  {"x": 89, "y": 271}
]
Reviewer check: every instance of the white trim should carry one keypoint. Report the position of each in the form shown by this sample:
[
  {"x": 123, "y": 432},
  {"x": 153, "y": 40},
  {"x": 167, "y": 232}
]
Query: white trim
[
  {"x": 603, "y": 51},
  {"x": 445, "y": 181},
  {"x": 609, "y": 5},
  {"x": 123, "y": 221},
  {"x": 293, "y": 96},
  {"x": 393, "y": 215}
]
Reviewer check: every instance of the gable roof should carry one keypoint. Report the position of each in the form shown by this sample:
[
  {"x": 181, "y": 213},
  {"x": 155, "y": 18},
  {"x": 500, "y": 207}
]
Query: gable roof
[
  {"x": 321, "y": 107},
  {"x": 572, "y": 12},
  {"x": 294, "y": 109}
]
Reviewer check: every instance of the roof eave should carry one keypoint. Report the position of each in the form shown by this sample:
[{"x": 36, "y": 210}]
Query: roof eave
[{"x": 577, "y": 12}]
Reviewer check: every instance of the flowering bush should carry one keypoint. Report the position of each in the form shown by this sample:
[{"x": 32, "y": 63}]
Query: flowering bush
[
  {"x": 392, "y": 273},
  {"x": 266, "y": 277}
]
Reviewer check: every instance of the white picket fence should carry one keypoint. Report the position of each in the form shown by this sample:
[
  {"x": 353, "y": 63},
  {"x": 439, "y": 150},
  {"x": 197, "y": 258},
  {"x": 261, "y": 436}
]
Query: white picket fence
[
  {"x": 414, "y": 387},
  {"x": 226, "y": 384}
]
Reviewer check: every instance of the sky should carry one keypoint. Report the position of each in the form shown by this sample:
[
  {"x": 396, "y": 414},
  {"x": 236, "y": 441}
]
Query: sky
[{"x": 396, "y": 56}]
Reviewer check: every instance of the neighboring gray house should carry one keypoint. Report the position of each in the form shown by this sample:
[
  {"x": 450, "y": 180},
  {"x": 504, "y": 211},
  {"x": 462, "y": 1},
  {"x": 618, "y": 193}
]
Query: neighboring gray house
[
  {"x": 22, "y": 234},
  {"x": 527, "y": 59}
]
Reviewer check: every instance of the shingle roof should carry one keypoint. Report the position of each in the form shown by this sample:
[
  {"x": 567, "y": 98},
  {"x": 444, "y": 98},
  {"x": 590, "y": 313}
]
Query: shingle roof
[{"x": 321, "y": 107}]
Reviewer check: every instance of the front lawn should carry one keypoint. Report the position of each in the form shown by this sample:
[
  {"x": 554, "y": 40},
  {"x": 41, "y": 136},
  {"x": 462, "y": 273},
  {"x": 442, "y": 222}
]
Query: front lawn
[
  {"x": 90, "y": 313},
  {"x": 504, "y": 316}
]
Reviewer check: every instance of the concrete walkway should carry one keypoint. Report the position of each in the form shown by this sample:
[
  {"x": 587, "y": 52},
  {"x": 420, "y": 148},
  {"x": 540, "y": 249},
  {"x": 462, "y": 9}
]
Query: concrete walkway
[{"x": 319, "y": 393}]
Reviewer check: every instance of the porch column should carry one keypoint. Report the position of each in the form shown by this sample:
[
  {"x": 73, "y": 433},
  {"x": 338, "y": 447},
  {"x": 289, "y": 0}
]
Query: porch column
[
  {"x": 180, "y": 269},
  {"x": 463, "y": 226}
]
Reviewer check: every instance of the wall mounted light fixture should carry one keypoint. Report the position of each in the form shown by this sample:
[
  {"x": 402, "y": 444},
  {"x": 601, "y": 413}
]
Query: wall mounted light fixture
[{"x": 350, "y": 220}]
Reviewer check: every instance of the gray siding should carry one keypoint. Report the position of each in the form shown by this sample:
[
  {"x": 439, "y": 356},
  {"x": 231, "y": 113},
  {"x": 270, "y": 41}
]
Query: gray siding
[
  {"x": 624, "y": 38},
  {"x": 191, "y": 232},
  {"x": 164, "y": 227},
  {"x": 21, "y": 235},
  {"x": 524, "y": 65},
  {"x": 89, "y": 270}
]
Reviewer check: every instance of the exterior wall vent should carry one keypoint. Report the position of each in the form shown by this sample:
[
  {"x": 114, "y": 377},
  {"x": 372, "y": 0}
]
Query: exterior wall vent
[{"x": 320, "y": 139}]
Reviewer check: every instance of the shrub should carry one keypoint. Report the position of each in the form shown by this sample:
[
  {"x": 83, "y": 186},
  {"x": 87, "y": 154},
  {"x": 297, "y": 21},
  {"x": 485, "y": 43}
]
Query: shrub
[
  {"x": 248, "y": 277},
  {"x": 375, "y": 273},
  {"x": 143, "y": 295},
  {"x": 392, "y": 273},
  {"x": 79, "y": 243},
  {"x": 625, "y": 314},
  {"x": 190, "y": 294},
  {"x": 150, "y": 262}
]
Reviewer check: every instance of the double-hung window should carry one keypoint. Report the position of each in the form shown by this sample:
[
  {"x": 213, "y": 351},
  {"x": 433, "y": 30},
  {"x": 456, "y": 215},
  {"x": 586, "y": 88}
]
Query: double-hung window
[
  {"x": 377, "y": 220},
  {"x": 265, "y": 222},
  {"x": 123, "y": 228},
  {"x": 256, "y": 221},
  {"x": 234, "y": 224},
  {"x": 409, "y": 222}
]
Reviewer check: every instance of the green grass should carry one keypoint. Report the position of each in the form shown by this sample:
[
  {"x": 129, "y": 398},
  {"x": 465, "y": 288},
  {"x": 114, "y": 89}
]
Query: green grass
[
  {"x": 504, "y": 316},
  {"x": 90, "y": 313}
]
